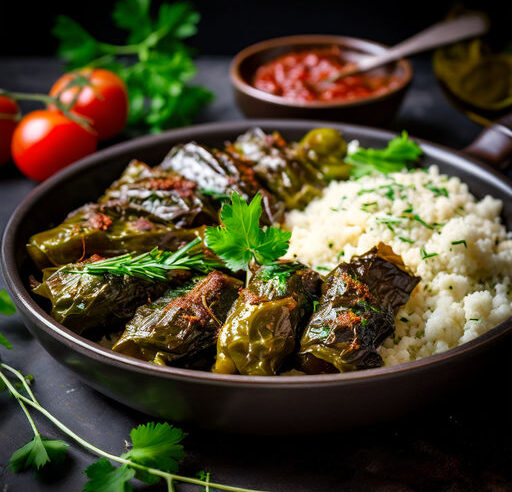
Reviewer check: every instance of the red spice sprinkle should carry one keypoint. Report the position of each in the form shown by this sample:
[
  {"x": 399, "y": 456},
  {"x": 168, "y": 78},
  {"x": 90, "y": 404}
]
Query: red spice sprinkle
[
  {"x": 143, "y": 225},
  {"x": 184, "y": 187},
  {"x": 99, "y": 221},
  {"x": 348, "y": 319}
]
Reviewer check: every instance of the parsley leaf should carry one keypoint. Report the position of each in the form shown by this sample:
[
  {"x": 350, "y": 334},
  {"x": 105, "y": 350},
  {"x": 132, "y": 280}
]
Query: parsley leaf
[
  {"x": 7, "y": 307},
  {"x": 103, "y": 477},
  {"x": 5, "y": 342},
  {"x": 157, "y": 446},
  {"x": 398, "y": 154},
  {"x": 240, "y": 240},
  {"x": 77, "y": 46},
  {"x": 37, "y": 453},
  {"x": 133, "y": 16}
]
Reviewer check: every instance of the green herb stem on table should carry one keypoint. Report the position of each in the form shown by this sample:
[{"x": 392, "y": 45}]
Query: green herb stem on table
[{"x": 153, "y": 456}]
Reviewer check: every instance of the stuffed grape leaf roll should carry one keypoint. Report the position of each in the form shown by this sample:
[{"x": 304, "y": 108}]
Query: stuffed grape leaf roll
[
  {"x": 181, "y": 323},
  {"x": 98, "y": 303},
  {"x": 219, "y": 174},
  {"x": 108, "y": 229},
  {"x": 356, "y": 312},
  {"x": 294, "y": 182},
  {"x": 263, "y": 324},
  {"x": 145, "y": 208},
  {"x": 164, "y": 195}
]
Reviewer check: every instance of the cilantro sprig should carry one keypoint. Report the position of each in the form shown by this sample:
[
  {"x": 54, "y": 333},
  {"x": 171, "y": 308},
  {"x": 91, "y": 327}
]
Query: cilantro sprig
[
  {"x": 397, "y": 155},
  {"x": 240, "y": 241},
  {"x": 155, "y": 64}
]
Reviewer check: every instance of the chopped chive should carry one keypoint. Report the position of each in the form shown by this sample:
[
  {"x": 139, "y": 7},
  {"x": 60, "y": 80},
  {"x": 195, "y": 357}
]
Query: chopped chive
[
  {"x": 405, "y": 320},
  {"x": 323, "y": 268},
  {"x": 365, "y": 206},
  {"x": 340, "y": 254},
  {"x": 425, "y": 255},
  {"x": 475, "y": 319},
  {"x": 462, "y": 241},
  {"x": 331, "y": 244},
  {"x": 315, "y": 305},
  {"x": 405, "y": 240},
  {"x": 417, "y": 218},
  {"x": 437, "y": 191}
]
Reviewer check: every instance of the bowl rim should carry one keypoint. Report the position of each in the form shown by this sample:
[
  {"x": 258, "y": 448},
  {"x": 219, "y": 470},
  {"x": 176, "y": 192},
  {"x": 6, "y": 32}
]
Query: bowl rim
[
  {"x": 321, "y": 39},
  {"x": 31, "y": 310}
]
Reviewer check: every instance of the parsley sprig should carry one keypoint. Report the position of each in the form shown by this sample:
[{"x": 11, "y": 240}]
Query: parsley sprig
[
  {"x": 155, "y": 64},
  {"x": 240, "y": 241},
  {"x": 397, "y": 155},
  {"x": 153, "y": 265},
  {"x": 153, "y": 455}
]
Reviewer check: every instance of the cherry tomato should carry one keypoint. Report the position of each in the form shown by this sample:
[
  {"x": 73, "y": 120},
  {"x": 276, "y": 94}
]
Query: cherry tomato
[
  {"x": 46, "y": 141},
  {"x": 104, "y": 102},
  {"x": 8, "y": 120}
]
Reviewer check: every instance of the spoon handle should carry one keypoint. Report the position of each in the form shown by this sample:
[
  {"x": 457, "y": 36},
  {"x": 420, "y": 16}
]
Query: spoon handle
[{"x": 440, "y": 34}]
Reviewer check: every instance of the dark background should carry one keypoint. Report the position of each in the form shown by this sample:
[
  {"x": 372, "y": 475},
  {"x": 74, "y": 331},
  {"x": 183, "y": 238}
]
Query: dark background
[{"x": 229, "y": 25}]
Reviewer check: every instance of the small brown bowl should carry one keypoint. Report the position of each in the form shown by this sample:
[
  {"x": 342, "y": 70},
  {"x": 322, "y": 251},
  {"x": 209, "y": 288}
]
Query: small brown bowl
[{"x": 373, "y": 110}]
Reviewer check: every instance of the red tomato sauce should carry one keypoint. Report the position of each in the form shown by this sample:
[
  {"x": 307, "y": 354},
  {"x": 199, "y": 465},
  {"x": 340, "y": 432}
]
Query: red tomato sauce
[{"x": 305, "y": 76}]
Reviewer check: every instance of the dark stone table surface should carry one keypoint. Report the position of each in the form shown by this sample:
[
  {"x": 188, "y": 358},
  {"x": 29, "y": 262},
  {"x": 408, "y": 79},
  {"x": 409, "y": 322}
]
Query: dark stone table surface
[{"x": 461, "y": 443}]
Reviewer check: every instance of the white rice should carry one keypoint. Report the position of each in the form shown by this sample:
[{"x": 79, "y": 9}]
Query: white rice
[{"x": 466, "y": 288}]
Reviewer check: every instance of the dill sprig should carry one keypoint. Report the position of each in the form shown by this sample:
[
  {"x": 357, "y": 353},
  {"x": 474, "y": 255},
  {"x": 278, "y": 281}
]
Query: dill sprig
[{"x": 153, "y": 265}]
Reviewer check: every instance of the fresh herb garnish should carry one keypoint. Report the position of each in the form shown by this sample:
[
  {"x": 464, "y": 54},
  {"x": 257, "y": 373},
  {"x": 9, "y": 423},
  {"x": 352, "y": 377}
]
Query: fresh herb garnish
[
  {"x": 399, "y": 153},
  {"x": 405, "y": 240},
  {"x": 437, "y": 191},
  {"x": 475, "y": 319},
  {"x": 320, "y": 331},
  {"x": 216, "y": 195},
  {"x": 315, "y": 305},
  {"x": 364, "y": 206},
  {"x": 153, "y": 265},
  {"x": 404, "y": 320},
  {"x": 425, "y": 255},
  {"x": 240, "y": 241},
  {"x": 278, "y": 274},
  {"x": 462, "y": 241},
  {"x": 159, "y": 92},
  {"x": 417, "y": 218},
  {"x": 37, "y": 453},
  {"x": 7, "y": 308},
  {"x": 325, "y": 269}
]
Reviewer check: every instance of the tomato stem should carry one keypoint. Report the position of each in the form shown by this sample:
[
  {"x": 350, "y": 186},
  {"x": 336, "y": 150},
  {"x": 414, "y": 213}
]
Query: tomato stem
[
  {"x": 24, "y": 96},
  {"x": 48, "y": 100}
]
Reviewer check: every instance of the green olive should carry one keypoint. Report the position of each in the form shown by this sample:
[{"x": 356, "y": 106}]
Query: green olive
[{"x": 325, "y": 148}]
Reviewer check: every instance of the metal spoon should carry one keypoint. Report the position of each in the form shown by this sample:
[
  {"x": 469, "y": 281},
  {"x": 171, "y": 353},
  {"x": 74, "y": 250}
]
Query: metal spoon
[{"x": 443, "y": 33}]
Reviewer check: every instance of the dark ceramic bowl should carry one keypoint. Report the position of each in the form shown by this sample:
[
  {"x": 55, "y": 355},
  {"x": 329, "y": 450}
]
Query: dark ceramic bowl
[
  {"x": 373, "y": 110},
  {"x": 250, "y": 404}
]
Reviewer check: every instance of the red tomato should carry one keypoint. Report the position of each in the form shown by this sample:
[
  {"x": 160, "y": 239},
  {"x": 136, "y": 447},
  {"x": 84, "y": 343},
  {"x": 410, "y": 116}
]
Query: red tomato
[
  {"x": 46, "y": 141},
  {"x": 8, "y": 120},
  {"x": 104, "y": 102}
]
